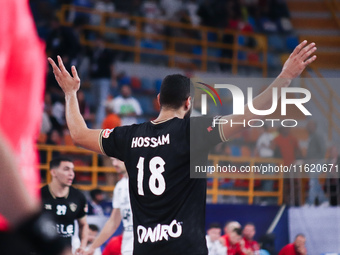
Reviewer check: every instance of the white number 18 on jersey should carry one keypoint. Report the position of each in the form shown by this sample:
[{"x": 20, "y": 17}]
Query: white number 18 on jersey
[{"x": 156, "y": 181}]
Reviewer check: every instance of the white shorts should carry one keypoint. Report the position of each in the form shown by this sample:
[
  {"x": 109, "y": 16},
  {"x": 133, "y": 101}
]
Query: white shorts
[{"x": 127, "y": 243}]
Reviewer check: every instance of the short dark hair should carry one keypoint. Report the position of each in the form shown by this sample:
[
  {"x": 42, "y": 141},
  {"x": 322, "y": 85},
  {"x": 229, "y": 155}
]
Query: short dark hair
[
  {"x": 250, "y": 224},
  {"x": 54, "y": 163},
  {"x": 214, "y": 225},
  {"x": 300, "y": 234},
  {"x": 94, "y": 193},
  {"x": 175, "y": 89},
  {"x": 93, "y": 227},
  {"x": 238, "y": 231}
]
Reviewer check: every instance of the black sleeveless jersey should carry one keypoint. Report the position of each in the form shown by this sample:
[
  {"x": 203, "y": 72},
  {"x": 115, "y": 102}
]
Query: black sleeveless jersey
[
  {"x": 65, "y": 210},
  {"x": 168, "y": 206}
]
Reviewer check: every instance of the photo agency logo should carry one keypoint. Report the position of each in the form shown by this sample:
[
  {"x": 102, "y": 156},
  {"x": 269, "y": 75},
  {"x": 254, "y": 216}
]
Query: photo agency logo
[{"x": 300, "y": 98}]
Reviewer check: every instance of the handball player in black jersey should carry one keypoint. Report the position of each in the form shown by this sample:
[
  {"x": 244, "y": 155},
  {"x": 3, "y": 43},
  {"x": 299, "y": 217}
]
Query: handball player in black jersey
[
  {"x": 168, "y": 206},
  {"x": 65, "y": 203}
]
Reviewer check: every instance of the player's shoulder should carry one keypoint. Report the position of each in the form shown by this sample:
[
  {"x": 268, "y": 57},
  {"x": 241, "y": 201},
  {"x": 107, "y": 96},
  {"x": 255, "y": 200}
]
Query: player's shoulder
[
  {"x": 76, "y": 193},
  {"x": 45, "y": 192}
]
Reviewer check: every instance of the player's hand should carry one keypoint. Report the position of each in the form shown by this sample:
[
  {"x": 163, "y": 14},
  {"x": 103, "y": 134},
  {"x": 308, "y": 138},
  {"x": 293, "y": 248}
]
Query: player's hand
[
  {"x": 80, "y": 251},
  {"x": 298, "y": 60},
  {"x": 302, "y": 250},
  {"x": 67, "y": 83},
  {"x": 90, "y": 251}
]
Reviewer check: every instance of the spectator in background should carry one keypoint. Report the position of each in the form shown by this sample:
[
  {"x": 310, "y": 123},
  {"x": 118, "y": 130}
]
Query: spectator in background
[
  {"x": 264, "y": 150},
  {"x": 93, "y": 232},
  {"x": 263, "y": 144},
  {"x": 233, "y": 241},
  {"x": 95, "y": 207},
  {"x": 333, "y": 183},
  {"x": 207, "y": 14},
  {"x": 230, "y": 226},
  {"x": 102, "y": 75},
  {"x": 316, "y": 151},
  {"x": 192, "y": 8},
  {"x": 296, "y": 248},
  {"x": 58, "y": 112},
  {"x": 250, "y": 245},
  {"x": 126, "y": 106},
  {"x": 215, "y": 247},
  {"x": 171, "y": 7},
  {"x": 50, "y": 109},
  {"x": 64, "y": 41},
  {"x": 102, "y": 6},
  {"x": 85, "y": 17},
  {"x": 111, "y": 120},
  {"x": 286, "y": 146},
  {"x": 85, "y": 109}
]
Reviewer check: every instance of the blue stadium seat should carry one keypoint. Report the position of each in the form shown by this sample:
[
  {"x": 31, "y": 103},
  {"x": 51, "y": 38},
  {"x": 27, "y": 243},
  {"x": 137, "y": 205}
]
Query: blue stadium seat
[
  {"x": 151, "y": 45},
  {"x": 197, "y": 50},
  {"x": 147, "y": 85},
  {"x": 291, "y": 42},
  {"x": 212, "y": 37},
  {"x": 273, "y": 60},
  {"x": 124, "y": 80},
  {"x": 235, "y": 151},
  {"x": 276, "y": 43},
  {"x": 146, "y": 104},
  {"x": 241, "y": 40},
  {"x": 214, "y": 52},
  {"x": 158, "y": 84},
  {"x": 241, "y": 55}
]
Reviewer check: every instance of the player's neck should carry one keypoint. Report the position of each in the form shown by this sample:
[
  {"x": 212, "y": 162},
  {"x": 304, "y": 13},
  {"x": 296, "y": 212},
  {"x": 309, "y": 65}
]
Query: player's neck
[
  {"x": 167, "y": 114},
  {"x": 58, "y": 190}
]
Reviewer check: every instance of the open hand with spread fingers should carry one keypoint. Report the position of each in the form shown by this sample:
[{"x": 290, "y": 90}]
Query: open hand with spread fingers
[
  {"x": 298, "y": 60},
  {"x": 67, "y": 83}
]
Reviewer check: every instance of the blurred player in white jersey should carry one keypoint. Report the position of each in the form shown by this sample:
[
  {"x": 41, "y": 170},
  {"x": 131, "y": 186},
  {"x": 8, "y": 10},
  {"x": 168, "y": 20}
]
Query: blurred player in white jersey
[{"x": 121, "y": 212}]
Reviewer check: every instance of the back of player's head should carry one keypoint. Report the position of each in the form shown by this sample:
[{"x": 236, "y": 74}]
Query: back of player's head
[
  {"x": 174, "y": 91},
  {"x": 55, "y": 163}
]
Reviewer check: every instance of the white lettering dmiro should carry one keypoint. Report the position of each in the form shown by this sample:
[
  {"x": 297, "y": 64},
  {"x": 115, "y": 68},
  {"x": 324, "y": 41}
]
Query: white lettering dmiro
[
  {"x": 159, "y": 233},
  {"x": 239, "y": 102}
]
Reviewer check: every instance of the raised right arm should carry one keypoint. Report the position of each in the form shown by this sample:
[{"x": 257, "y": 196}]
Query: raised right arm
[{"x": 80, "y": 133}]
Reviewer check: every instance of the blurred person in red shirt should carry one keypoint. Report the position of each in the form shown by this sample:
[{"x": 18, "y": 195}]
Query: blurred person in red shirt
[
  {"x": 296, "y": 248},
  {"x": 23, "y": 228},
  {"x": 250, "y": 245},
  {"x": 114, "y": 246},
  {"x": 234, "y": 243},
  {"x": 287, "y": 146}
]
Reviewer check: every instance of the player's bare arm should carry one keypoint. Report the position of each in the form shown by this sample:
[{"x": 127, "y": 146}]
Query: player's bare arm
[
  {"x": 298, "y": 60},
  {"x": 80, "y": 133},
  {"x": 108, "y": 230},
  {"x": 83, "y": 235}
]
